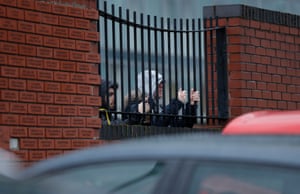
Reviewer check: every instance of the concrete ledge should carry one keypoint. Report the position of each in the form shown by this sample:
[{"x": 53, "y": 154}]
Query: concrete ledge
[
  {"x": 222, "y": 11},
  {"x": 252, "y": 13}
]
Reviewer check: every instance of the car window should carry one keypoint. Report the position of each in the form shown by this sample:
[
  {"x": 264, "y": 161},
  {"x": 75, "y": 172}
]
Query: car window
[
  {"x": 225, "y": 178},
  {"x": 115, "y": 178},
  {"x": 6, "y": 185}
]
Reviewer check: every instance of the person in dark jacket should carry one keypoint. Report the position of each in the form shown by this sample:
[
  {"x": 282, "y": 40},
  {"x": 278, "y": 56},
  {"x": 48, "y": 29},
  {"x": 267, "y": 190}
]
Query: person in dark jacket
[
  {"x": 107, "y": 93},
  {"x": 147, "y": 100}
]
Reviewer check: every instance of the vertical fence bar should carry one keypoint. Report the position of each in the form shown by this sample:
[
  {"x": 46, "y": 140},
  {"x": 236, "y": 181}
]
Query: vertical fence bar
[
  {"x": 175, "y": 55},
  {"x": 142, "y": 56},
  {"x": 181, "y": 54},
  {"x": 169, "y": 58},
  {"x": 194, "y": 54},
  {"x": 135, "y": 54},
  {"x": 106, "y": 49},
  {"x": 149, "y": 54},
  {"x": 99, "y": 45},
  {"x": 162, "y": 40},
  {"x": 121, "y": 60},
  {"x": 156, "y": 56},
  {"x": 194, "y": 87},
  {"x": 206, "y": 42},
  {"x": 149, "y": 49},
  {"x": 188, "y": 58},
  {"x": 200, "y": 71},
  {"x": 212, "y": 73},
  {"x": 222, "y": 74},
  {"x": 128, "y": 57},
  {"x": 113, "y": 27}
]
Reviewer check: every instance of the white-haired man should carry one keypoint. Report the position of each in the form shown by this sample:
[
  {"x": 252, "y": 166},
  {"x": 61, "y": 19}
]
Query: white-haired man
[{"x": 151, "y": 86}]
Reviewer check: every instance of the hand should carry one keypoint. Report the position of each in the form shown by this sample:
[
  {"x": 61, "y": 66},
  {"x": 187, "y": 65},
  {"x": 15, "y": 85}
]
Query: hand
[
  {"x": 141, "y": 108},
  {"x": 181, "y": 95},
  {"x": 194, "y": 96}
]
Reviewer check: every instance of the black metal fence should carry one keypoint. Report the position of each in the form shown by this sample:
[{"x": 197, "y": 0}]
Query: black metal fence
[
  {"x": 185, "y": 52},
  {"x": 115, "y": 132}
]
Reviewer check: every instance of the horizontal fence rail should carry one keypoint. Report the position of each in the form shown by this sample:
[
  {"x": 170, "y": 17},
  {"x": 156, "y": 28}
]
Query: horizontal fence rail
[{"x": 183, "y": 54}]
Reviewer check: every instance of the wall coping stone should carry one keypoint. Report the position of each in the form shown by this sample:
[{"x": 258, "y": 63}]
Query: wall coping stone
[{"x": 252, "y": 13}]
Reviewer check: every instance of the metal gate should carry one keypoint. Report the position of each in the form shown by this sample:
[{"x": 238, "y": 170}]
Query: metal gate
[{"x": 187, "y": 53}]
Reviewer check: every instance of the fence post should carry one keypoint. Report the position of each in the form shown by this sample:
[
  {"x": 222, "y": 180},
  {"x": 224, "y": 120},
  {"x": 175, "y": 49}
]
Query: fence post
[{"x": 222, "y": 74}]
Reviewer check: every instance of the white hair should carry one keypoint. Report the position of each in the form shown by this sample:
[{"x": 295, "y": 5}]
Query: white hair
[{"x": 153, "y": 80}]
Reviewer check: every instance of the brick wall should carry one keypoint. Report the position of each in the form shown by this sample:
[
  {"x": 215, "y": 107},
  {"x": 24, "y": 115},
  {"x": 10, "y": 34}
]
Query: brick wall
[
  {"x": 263, "y": 57},
  {"x": 49, "y": 58}
]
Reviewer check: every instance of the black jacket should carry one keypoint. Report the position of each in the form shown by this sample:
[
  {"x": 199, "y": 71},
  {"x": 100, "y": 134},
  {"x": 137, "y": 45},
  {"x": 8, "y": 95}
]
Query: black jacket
[{"x": 162, "y": 116}]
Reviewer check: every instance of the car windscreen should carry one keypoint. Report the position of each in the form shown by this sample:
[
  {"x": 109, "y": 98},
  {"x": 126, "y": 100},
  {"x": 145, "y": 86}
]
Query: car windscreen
[
  {"x": 115, "y": 177},
  {"x": 7, "y": 185},
  {"x": 244, "y": 178}
]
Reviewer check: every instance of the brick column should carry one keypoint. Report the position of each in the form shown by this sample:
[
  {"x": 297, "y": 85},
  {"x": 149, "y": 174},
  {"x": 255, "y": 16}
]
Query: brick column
[
  {"x": 263, "y": 57},
  {"x": 49, "y": 58}
]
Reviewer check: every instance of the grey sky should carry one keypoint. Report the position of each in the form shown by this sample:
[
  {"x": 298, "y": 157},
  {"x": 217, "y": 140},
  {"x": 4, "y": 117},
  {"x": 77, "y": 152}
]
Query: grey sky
[{"x": 193, "y": 8}]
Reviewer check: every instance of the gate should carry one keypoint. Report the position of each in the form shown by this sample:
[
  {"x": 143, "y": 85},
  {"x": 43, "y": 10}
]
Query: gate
[{"x": 186, "y": 54}]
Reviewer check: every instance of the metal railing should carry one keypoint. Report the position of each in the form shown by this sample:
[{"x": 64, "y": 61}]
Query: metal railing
[{"x": 186, "y": 54}]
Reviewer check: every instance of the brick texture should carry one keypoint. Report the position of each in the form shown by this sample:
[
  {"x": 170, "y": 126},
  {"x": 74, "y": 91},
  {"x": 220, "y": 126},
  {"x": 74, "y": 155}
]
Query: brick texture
[
  {"x": 43, "y": 47},
  {"x": 49, "y": 81},
  {"x": 260, "y": 64}
]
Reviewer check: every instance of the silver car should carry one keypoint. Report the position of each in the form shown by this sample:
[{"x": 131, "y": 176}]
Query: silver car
[{"x": 189, "y": 164}]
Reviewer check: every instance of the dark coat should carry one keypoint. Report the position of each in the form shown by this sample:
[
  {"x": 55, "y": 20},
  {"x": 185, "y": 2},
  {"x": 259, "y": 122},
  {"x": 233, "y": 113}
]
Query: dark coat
[
  {"x": 105, "y": 114},
  {"x": 162, "y": 116}
]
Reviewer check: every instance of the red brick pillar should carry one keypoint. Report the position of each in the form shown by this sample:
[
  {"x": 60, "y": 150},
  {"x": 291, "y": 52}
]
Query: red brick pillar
[
  {"x": 263, "y": 57},
  {"x": 49, "y": 58}
]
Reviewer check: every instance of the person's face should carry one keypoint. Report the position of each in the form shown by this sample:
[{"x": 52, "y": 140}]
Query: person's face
[
  {"x": 160, "y": 90},
  {"x": 111, "y": 98}
]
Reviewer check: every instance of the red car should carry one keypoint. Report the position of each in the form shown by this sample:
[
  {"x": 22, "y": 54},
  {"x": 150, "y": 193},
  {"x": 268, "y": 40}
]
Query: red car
[{"x": 265, "y": 123}]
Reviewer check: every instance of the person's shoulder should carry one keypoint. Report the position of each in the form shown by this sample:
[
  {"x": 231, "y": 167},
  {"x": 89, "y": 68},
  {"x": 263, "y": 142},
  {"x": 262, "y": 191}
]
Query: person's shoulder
[{"x": 176, "y": 101}]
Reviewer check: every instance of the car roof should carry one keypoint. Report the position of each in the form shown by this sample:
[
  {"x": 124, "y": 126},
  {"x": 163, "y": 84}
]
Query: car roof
[
  {"x": 9, "y": 165},
  {"x": 283, "y": 150},
  {"x": 265, "y": 122}
]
